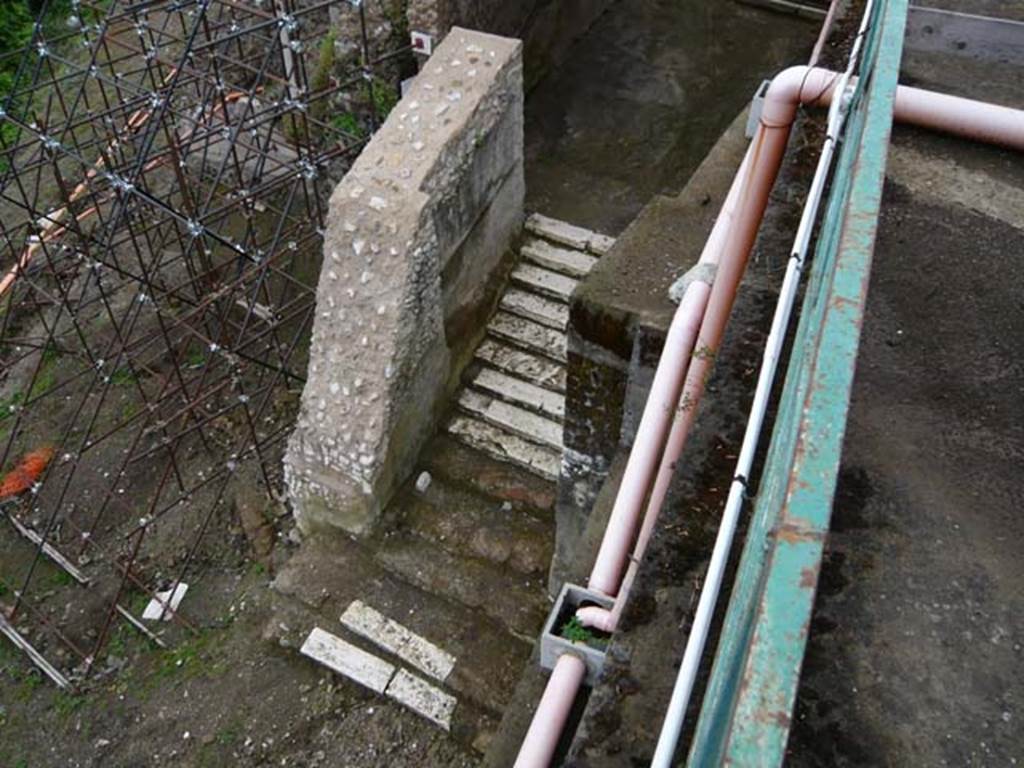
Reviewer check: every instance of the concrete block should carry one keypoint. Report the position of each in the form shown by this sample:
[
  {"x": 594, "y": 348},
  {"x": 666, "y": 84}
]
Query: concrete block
[
  {"x": 417, "y": 234},
  {"x": 397, "y": 639},
  {"x": 423, "y": 698},
  {"x": 345, "y": 659}
]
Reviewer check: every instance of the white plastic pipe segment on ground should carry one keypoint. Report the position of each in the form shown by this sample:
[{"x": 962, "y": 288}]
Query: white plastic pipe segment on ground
[{"x": 729, "y": 246}]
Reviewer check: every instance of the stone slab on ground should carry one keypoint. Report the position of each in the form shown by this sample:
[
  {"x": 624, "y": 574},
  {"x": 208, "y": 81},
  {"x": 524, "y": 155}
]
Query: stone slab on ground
[
  {"x": 348, "y": 660},
  {"x": 512, "y": 418},
  {"x": 330, "y": 572},
  {"x": 520, "y": 392},
  {"x": 528, "y": 335},
  {"x": 398, "y": 640},
  {"x": 567, "y": 261},
  {"x": 524, "y": 365},
  {"x": 423, "y": 698}
]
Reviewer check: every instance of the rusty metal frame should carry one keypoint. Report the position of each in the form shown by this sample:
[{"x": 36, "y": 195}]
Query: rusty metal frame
[{"x": 165, "y": 168}]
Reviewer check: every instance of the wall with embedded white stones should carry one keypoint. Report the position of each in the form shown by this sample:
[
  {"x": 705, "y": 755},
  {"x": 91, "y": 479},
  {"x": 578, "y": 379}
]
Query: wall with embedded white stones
[
  {"x": 418, "y": 234},
  {"x": 547, "y": 27}
]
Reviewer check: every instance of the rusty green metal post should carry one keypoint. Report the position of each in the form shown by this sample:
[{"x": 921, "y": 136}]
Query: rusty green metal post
[{"x": 746, "y": 713}]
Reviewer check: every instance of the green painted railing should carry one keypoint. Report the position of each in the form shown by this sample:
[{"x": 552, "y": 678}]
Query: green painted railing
[{"x": 746, "y": 713}]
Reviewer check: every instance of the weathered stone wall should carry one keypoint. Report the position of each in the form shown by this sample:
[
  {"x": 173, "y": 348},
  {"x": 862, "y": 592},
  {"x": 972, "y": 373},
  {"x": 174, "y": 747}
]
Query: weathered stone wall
[
  {"x": 546, "y": 27},
  {"x": 618, "y": 320},
  {"x": 418, "y": 230}
]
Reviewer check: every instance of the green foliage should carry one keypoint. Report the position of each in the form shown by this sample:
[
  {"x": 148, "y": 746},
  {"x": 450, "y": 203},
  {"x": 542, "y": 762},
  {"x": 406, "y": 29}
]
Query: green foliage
[
  {"x": 574, "y": 631},
  {"x": 321, "y": 79},
  {"x": 17, "y": 19},
  {"x": 61, "y": 578},
  {"x": 384, "y": 97},
  {"x": 350, "y": 125},
  {"x": 66, "y": 704}
]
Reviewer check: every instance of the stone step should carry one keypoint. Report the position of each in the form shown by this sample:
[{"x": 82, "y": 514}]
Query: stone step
[
  {"x": 528, "y": 335},
  {"x": 519, "y": 392},
  {"x": 512, "y": 418},
  {"x": 547, "y": 312},
  {"x": 565, "y": 261},
  {"x": 504, "y": 446},
  {"x": 462, "y": 522},
  {"x": 568, "y": 234},
  {"x": 331, "y": 572},
  {"x": 544, "y": 281},
  {"x": 460, "y": 466},
  {"x": 515, "y": 601},
  {"x": 540, "y": 371}
]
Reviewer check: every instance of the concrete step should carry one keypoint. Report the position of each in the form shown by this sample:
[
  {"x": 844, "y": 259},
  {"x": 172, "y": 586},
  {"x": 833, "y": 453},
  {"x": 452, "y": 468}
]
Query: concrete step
[
  {"x": 564, "y": 233},
  {"x": 519, "y": 392},
  {"x": 523, "y": 365},
  {"x": 460, "y": 466},
  {"x": 544, "y": 281},
  {"x": 565, "y": 261},
  {"x": 509, "y": 598},
  {"x": 504, "y": 446},
  {"x": 331, "y": 572},
  {"x": 512, "y": 418},
  {"x": 462, "y": 522},
  {"x": 547, "y": 312},
  {"x": 528, "y": 335}
]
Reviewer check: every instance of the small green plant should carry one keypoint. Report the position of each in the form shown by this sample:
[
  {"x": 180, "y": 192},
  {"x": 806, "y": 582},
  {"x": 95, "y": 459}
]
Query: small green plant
[
  {"x": 321, "y": 79},
  {"x": 384, "y": 97},
  {"x": 122, "y": 376},
  {"x": 195, "y": 357},
  {"x": 348, "y": 123},
  {"x": 66, "y": 704},
  {"x": 574, "y": 631},
  {"x": 61, "y": 578}
]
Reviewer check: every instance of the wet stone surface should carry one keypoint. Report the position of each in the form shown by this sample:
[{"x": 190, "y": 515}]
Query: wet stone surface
[
  {"x": 916, "y": 639},
  {"x": 641, "y": 98}
]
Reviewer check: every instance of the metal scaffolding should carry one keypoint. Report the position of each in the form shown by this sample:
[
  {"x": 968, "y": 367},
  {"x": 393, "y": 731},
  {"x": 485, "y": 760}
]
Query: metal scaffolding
[{"x": 165, "y": 171}]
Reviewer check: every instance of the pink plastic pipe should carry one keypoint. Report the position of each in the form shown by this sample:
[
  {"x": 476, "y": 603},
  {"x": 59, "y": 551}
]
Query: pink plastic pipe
[
  {"x": 654, "y": 425},
  {"x": 552, "y": 712},
  {"x": 798, "y": 85}
]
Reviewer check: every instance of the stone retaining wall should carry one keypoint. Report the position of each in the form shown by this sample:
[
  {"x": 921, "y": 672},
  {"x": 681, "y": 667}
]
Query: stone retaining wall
[
  {"x": 419, "y": 233},
  {"x": 546, "y": 27}
]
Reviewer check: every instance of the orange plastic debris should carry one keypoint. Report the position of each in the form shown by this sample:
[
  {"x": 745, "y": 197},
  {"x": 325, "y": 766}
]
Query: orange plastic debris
[{"x": 28, "y": 470}]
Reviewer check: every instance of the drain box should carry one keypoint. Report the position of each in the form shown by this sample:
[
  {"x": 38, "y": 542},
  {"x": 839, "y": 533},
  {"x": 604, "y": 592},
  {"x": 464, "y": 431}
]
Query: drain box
[{"x": 591, "y": 649}]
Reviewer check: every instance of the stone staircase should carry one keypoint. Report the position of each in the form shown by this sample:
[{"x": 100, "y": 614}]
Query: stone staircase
[
  {"x": 438, "y": 612},
  {"x": 513, "y": 403}
]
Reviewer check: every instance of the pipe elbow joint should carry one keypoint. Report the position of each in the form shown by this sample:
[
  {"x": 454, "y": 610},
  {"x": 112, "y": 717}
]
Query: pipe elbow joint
[
  {"x": 791, "y": 88},
  {"x": 595, "y": 617}
]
